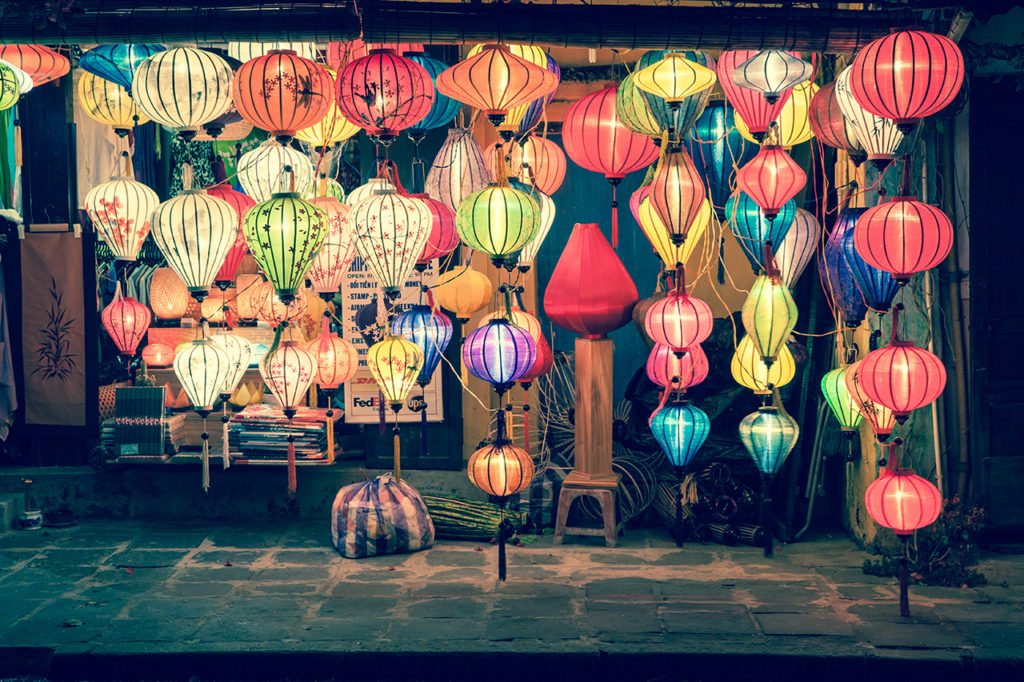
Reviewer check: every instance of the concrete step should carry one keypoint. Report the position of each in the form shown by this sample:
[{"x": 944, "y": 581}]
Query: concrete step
[{"x": 11, "y": 505}]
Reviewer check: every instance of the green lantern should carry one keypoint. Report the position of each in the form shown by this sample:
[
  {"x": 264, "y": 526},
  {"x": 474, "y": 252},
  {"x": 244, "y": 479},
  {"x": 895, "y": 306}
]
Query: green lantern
[
  {"x": 10, "y": 91},
  {"x": 633, "y": 110},
  {"x": 284, "y": 234},
  {"x": 497, "y": 220},
  {"x": 844, "y": 407},
  {"x": 769, "y": 315}
]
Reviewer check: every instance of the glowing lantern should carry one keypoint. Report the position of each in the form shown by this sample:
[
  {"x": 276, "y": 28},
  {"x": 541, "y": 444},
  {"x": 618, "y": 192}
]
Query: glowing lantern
[
  {"x": 750, "y": 370},
  {"x": 245, "y": 304},
  {"x": 384, "y": 93},
  {"x": 168, "y": 295},
  {"x": 201, "y": 368},
  {"x": 772, "y": 72},
  {"x": 754, "y": 230},
  {"x": 282, "y": 92},
  {"x": 443, "y": 237},
  {"x": 792, "y": 126},
  {"x": 667, "y": 369},
  {"x": 214, "y": 308},
  {"x": 834, "y": 270},
  {"x": 879, "y": 137},
  {"x": 907, "y": 76},
  {"x": 40, "y": 62},
  {"x": 284, "y": 234},
  {"x": 391, "y": 231},
  {"x": 677, "y": 193},
  {"x": 395, "y": 364},
  {"x": 674, "y": 78},
  {"x": 671, "y": 255},
  {"x": 634, "y": 111},
  {"x": 458, "y": 170},
  {"x": 535, "y": 161},
  {"x": 844, "y": 406},
  {"x": 717, "y": 148},
  {"x": 545, "y": 219},
  {"x": 194, "y": 231},
  {"x": 463, "y": 291},
  {"x": 102, "y": 101},
  {"x": 529, "y": 115},
  {"x": 444, "y": 109},
  {"x": 771, "y": 179},
  {"x": 244, "y": 52},
  {"x": 336, "y": 358},
  {"x": 239, "y": 352},
  {"x": 769, "y": 315},
  {"x": 499, "y": 353},
  {"x": 329, "y": 130},
  {"x": 370, "y": 188},
  {"x": 158, "y": 355},
  {"x": 21, "y": 79},
  {"x": 877, "y": 287},
  {"x": 263, "y": 171},
  {"x": 120, "y": 210},
  {"x": 680, "y": 429},
  {"x": 798, "y": 247},
  {"x": 501, "y": 470},
  {"x": 429, "y": 329},
  {"x": 901, "y": 376},
  {"x": 596, "y": 140},
  {"x": 831, "y": 127},
  {"x": 878, "y": 416},
  {"x": 495, "y": 80},
  {"x": 126, "y": 320},
  {"x": 769, "y": 436},
  {"x": 117, "y": 63},
  {"x": 755, "y": 110},
  {"x": 679, "y": 320},
  {"x": 241, "y": 203},
  {"x": 183, "y": 88},
  {"x": 270, "y": 308},
  {"x": 519, "y": 318},
  {"x": 677, "y": 116},
  {"x": 497, "y": 220},
  {"x": 332, "y": 261},
  {"x": 288, "y": 371},
  {"x": 324, "y": 186}
]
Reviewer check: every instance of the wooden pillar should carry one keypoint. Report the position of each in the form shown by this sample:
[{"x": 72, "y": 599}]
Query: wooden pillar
[{"x": 593, "y": 415}]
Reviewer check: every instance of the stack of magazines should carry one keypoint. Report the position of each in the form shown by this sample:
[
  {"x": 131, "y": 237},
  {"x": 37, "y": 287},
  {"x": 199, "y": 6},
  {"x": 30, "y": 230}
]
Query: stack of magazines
[{"x": 259, "y": 435}]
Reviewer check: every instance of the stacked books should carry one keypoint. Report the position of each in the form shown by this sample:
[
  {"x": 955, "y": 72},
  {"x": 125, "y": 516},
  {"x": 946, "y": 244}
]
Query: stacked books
[
  {"x": 259, "y": 435},
  {"x": 173, "y": 440}
]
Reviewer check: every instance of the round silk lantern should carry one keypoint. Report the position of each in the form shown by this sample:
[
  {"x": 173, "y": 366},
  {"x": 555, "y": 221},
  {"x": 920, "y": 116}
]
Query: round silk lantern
[
  {"x": 798, "y": 247},
  {"x": 384, "y": 93},
  {"x": 499, "y": 353},
  {"x": 772, "y": 72},
  {"x": 667, "y": 369},
  {"x": 246, "y": 51},
  {"x": 879, "y": 137},
  {"x": 41, "y": 63},
  {"x": 458, "y": 170},
  {"x": 907, "y": 76},
  {"x": 879, "y": 417},
  {"x": 395, "y": 364},
  {"x": 497, "y": 220},
  {"x": 877, "y": 287},
  {"x": 844, "y": 406},
  {"x": 754, "y": 230},
  {"x": 534, "y": 161},
  {"x": 168, "y": 295},
  {"x": 444, "y": 109},
  {"x": 677, "y": 193},
  {"x": 717, "y": 148},
  {"x": 750, "y": 105},
  {"x": 501, "y": 469},
  {"x": 241, "y": 203},
  {"x": 282, "y": 92},
  {"x": 831, "y": 127},
  {"x": 194, "y": 231},
  {"x": 751, "y": 371},
  {"x": 576, "y": 300},
  {"x": 183, "y": 88},
  {"x": 633, "y": 110},
  {"x": 463, "y": 291},
  {"x": 541, "y": 366},
  {"x": 771, "y": 179},
  {"x": 391, "y": 232},
  {"x": 443, "y": 237},
  {"x": 834, "y": 269},
  {"x": 288, "y": 370},
  {"x": 429, "y": 329},
  {"x": 264, "y": 171},
  {"x": 284, "y": 233},
  {"x": 336, "y": 358},
  {"x": 126, "y": 321},
  {"x": 332, "y": 261},
  {"x": 120, "y": 210},
  {"x": 792, "y": 126},
  {"x": 674, "y": 78},
  {"x": 101, "y": 100},
  {"x": 679, "y": 321},
  {"x": 769, "y": 314},
  {"x": 117, "y": 63},
  {"x": 158, "y": 355},
  {"x": 680, "y": 429},
  {"x": 595, "y": 139}
]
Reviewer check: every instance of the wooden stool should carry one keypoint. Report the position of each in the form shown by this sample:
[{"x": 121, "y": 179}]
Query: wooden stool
[{"x": 606, "y": 497}]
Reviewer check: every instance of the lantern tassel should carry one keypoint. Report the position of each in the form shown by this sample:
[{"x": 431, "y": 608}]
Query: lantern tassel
[
  {"x": 502, "y": 526},
  {"x": 330, "y": 431},
  {"x": 766, "y": 513},
  {"x": 423, "y": 427},
  {"x": 679, "y": 507},
  {"x": 526, "y": 419},
  {"x": 904, "y": 596},
  {"x": 721, "y": 261},
  {"x": 206, "y": 458},
  {"x": 380, "y": 410},
  {"x": 292, "y": 477},
  {"x": 225, "y": 454},
  {"x": 615, "y": 218},
  {"x": 397, "y": 453}
]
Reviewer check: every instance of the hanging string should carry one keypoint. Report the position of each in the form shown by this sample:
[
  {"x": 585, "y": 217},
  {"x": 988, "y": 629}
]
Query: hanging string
[
  {"x": 615, "y": 212},
  {"x": 206, "y": 457},
  {"x": 225, "y": 455},
  {"x": 292, "y": 477}
]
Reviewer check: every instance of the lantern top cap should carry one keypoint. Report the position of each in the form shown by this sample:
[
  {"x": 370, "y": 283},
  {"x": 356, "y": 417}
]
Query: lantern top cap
[
  {"x": 291, "y": 52},
  {"x": 768, "y": 409},
  {"x": 285, "y": 195},
  {"x": 900, "y": 343},
  {"x": 382, "y": 50}
]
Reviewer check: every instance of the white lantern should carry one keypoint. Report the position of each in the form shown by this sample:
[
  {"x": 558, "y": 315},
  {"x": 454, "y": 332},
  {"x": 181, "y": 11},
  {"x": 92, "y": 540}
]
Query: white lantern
[
  {"x": 202, "y": 368},
  {"x": 798, "y": 247},
  {"x": 547, "y": 217},
  {"x": 391, "y": 231},
  {"x": 334, "y": 258},
  {"x": 459, "y": 169},
  {"x": 772, "y": 72},
  {"x": 239, "y": 352},
  {"x": 120, "y": 210},
  {"x": 195, "y": 231},
  {"x": 243, "y": 52},
  {"x": 368, "y": 189},
  {"x": 288, "y": 370},
  {"x": 878, "y": 136},
  {"x": 261, "y": 171},
  {"x": 183, "y": 88},
  {"x": 23, "y": 79}
]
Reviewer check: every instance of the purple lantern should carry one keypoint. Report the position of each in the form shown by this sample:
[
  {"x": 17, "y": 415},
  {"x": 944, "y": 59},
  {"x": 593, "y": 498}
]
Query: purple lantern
[
  {"x": 499, "y": 353},
  {"x": 836, "y": 276}
]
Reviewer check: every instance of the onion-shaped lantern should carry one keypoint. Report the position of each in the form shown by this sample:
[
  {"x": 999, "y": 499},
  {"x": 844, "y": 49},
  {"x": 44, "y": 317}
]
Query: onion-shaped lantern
[
  {"x": 395, "y": 364},
  {"x": 241, "y": 203},
  {"x": 282, "y": 92},
  {"x": 101, "y": 100},
  {"x": 879, "y": 417},
  {"x": 168, "y": 295},
  {"x": 514, "y": 119},
  {"x": 667, "y": 369},
  {"x": 633, "y": 110},
  {"x": 843, "y": 405},
  {"x": 194, "y": 231},
  {"x": 754, "y": 230},
  {"x": 798, "y": 247},
  {"x": 336, "y": 358},
  {"x": 679, "y": 321},
  {"x": 463, "y": 291},
  {"x": 332, "y": 261},
  {"x": 834, "y": 270},
  {"x": 284, "y": 234},
  {"x": 656, "y": 232},
  {"x": 751, "y": 371},
  {"x": 183, "y": 88},
  {"x": 444, "y": 109},
  {"x": 792, "y": 125},
  {"x": 501, "y": 469},
  {"x": 529, "y": 115},
  {"x": 126, "y": 321},
  {"x": 497, "y": 220},
  {"x": 458, "y": 170},
  {"x": 750, "y": 105},
  {"x": 677, "y": 193},
  {"x": 120, "y": 210},
  {"x": 391, "y": 231},
  {"x": 907, "y": 76},
  {"x": 673, "y": 78},
  {"x": 772, "y": 72},
  {"x": 117, "y": 63},
  {"x": 877, "y": 287},
  {"x": 769, "y": 435},
  {"x": 499, "y": 353},
  {"x": 769, "y": 314},
  {"x": 429, "y": 329},
  {"x": 534, "y": 161},
  {"x": 595, "y": 139},
  {"x": 443, "y": 237},
  {"x": 41, "y": 63},
  {"x": 263, "y": 171},
  {"x": 384, "y": 93},
  {"x": 674, "y": 117},
  {"x": 680, "y": 429},
  {"x": 717, "y": 148},
  {"x": 879, "y": 137},
  {"x": 771, "y": 179},
  {"x": 202, "y": 368},
  {"x": 545, "y": 219},
  {"x": 831, "y": 127}
]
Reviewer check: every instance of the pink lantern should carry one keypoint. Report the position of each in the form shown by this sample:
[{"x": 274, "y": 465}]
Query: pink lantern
[{"x": 668, "y": 370}]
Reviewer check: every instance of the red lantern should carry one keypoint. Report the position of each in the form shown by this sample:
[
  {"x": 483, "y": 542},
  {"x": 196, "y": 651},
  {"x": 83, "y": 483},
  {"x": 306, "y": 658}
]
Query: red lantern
[
  {"x": 901, "y": 376},
  {"x": 831, "y": 127},
  {"x": 668, "y": 370},
  {"x": 590, "y": 292},
  {"x": 677, "y": 193},
  {"x": 38, "y": 61},
  {"x": 902, "y": 501},
  {"x": 444, "y": 238},
  {"x": 542, "y": 365},
  {"x": 126, "y": 320},
  {"x": 281, "y": 92},
  {"x": 771, "y": 179},
  {"x": 597, "y": 140},
  {"x": 679, "y": 321},
  {"x": 906, "y": 76},
  {"x": 384, "y": 93},
  {"x": 749, "y": 104},
  {"x": 241, "y": 203}
]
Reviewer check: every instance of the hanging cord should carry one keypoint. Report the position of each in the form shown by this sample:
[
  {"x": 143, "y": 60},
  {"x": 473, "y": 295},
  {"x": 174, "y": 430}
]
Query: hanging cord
[{"x": 206, "y": 456}]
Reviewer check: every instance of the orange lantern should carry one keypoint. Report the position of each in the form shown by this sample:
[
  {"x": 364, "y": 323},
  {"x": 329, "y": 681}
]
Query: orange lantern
[
  {"x": 336, "y": 358},
  {"x": 535, "y": 161},
  {"x": 158, "y": 355},
  {"x": 168, "y": 295},
  {"x": 677, "y": 193},
  {"x": 281, "y": 92},
  {"x": 38, "y": 61}
]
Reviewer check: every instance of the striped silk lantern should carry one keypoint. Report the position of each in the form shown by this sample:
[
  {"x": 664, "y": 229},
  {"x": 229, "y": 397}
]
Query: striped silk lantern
[
  {"x": 444, "y": 109},
  {"x": 284, "y": 234},
  {"x": 667, "y": 369},
  {"x": 830, "y": 126},
  {"x": 533, "y": 112},
  {"x": 41, "y": 63},
  {"x": 105, "y": 102},
  {"x": 288, "y": 371},
  {"x": 843, "y": 405},
  {"x": 384, "y": 93},
  {"x": 241, "y": 203},
  {"x": 769, "y": 314},
  {"x": 792, "y": 126},
  {"x": 750, "y": 105},
  {"x": 673, "y": 78},
  {"x": 391, "y": 231},
  {"x": 282, "y": 93},
  {"x": 443, "y": 237},
  {"x": 395, "y": 364},
  {"x": 501, "y": 470},
  {"x": 244, "y": 51},
  {"x": 754, "y": 230},
  {"x": 771, "y": 179},
  {"x": 182, "y": 88},
  {"x": 458, "y": 170},
  {"x": 117, "y": 63},
  {"x": 368, "y": 189},
  {"x": 499, "y": 353},
  {"x": 769, "y": 435},
  {"x": 240, "y": 354},
  {"x": 677, "y": 193},
  {"x": 126, "y": 321},
  {"x": 22, "y": 80},
  {"x": 680, "y": 429},
  {"x": 679, "y": 320},
  {"x": 329, "y": 130},
  {"x": 751, "y": 371},
  {"x": 717, "y": 149},
  {"x": 545, "y": 219},
  {"x": 835, "y": 273},
  {"x": 798, "y": 247},
  {"x": 877, "y": 287},
  {"x": 634, "y": 111},
  {"x": 535, "y": 55},
  {"x": 201, "y": 368},
  {"x": 263, "y": 171},
  {"x": 463, "y": 291},
  {"x": 534, "y": 161},
  {"x": 879, "y": 137},
  {"x": 772, "y": 72},
  {"x": 879, "y": 417},
  {"x": 676, "y": 116},
  {"x": 497, "y": 220},
  {"x": 120, "y": 210},
  {"x": 671, "y": 255},
  {"x": 336, "y": 358},
  {"x": 429, "y": 329},
  {"x": 332, "y": 261}
]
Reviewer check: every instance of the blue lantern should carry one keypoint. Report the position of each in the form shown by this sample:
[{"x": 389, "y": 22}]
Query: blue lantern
[
  {"x": 769, "y": 437},
  {"x": 876, "y": 287},
  {"x": 836, "y": 274},
  {"x": 683, "y": 115},
  {"x": 117, "y": 63},
  {"x": 536, "y": 109},
  {"x": 499, "y": 353},
  {"x": 429, "y": 329},
  {"x": 680, "y": 429},
  {"x": 444, "y": 110},
  {"x": 753, "y": 230},
  {"x": 718, "y": 149}
]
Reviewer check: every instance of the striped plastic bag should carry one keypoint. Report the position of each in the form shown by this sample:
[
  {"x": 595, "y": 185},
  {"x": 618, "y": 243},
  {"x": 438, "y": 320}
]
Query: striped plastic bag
[{"x": 380, "y": 516}]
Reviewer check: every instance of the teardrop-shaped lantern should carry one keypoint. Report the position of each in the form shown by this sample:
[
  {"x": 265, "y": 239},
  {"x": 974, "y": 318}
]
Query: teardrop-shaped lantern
[
  {"x": 792, "y": 125},
  {"x": 120, "y": 210},
  {"x": 391, "y": 231},
  {"x": 444, "y": 109},
  {"x": 194, "y": 231},
  {"x": 677, "y": 193},
  {"x": 771, "y": 179},
  {"x": 281, "y": 92},
  {"x": 879, "y": 417},
  {"x": 907, "y": 75},
  {"x": 41, "y": 63},
  {"x": 336, "y": 358},
  {"x": 535, "y": 161},
  {"x": 769, "y": 436},
  {"x": 168, "y": 295},
  {"x": 101, "y": 100},
  {"x": 772, "y": 72},
  {"x": 458, "y": 170},
  {"x": 332, "y": 261},
  {"x": 831, "y": 127},
  {"x": 753, "y": 229},
  {"x": 667, "y": 369},
  {"x": 836, "y": 277},
  {"x": 117, "y": 63},
  {"x": 633, "y": 110},
  {"x": 903, "y": 236},
  {"x": 750, "y": 370},
  {"x": 656, "y": 232},
  {"x": 877, "y": 287},
  {"x": 680, "y": 429},
  {"x": 674, "y": 78},
  {"x": 239, "y": 352},
  {"x": 395, "y": 364},
  {"x": 463, "y": 291},
  {"x": 679, "y": 321},
  {"x": 717, "y": 149},
  {"x": 126, "y": 321},
  {"x": 288, "y": 370},
  {"x": 499, "y": 353},
  {"x": 798, "y": 247},
  {"x": 241, "y": 203},
  {"x": 264, "y": 171},
  {"x": 384, "y": 93},
  {"x": 183, "y": 88},
  {"x": 202, "y": 368},
  {"x": 769, "y": 315},
  {"x": 497, "y": 220},
  {"x": 750, "y": 105},
  {"x": 879, "y": 137},
  {"x": 844, "y": 406},
  {"x": 443, "y": 238},
  {"x": 284, "y": 234},
  {"x": 429, "y": 329}
]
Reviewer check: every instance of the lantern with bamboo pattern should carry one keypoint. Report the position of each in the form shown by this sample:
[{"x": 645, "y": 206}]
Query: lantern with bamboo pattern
[
  {"x": 202, "y": 368},
  {"x": 769, "y": 435},
  {"x": 120, "y": 210},
  {"x": 751, "y": 371},
  {"x": 183, "y": 88},
  {"x": 463, "y": 291},
  {"x": 264, "y": 171},
  {"x": 880, "y": 418},
  {"x": 772, "y": 72},
  {"x": 117, "y": 63},
  {"x": 497, "y": 220},
  {"x": 332, "y": 261},
  {"x": 102, "y": 101},
  {"x": 391, "y": 231},
  {"x": 879, "y": 137},
  {"x": 384, "y": 93},
  {"x": 458, "y": 170},
  {"x": 282, "y": 93},
  {"x": 126, "y": 321},
  {"x": 284, "y": 234},
  {"x": 241, "y": 203}
]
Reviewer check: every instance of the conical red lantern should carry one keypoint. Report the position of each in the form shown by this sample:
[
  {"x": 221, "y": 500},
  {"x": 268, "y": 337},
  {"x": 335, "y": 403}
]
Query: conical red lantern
[
  {"x": 771, "y": 179},
  {"x": 677, "y": 193},
  {"x": 750, "y": 105},
  {"x": 901, "y": 376},
  {"x": 38, "y": 61},
  {"x": 831, "y": 127},
  {"x": 241, "y": 203},
  {"x": 595, "y": 139},
  {"x": 282, "y": 92},
  {"x": 126, "y": 320},
  {"x": 668, "y": 370},
  {"x": 384, "y": 93},
  {"x": 590, "y": 292},
  {"x": 907, "y": 75}
]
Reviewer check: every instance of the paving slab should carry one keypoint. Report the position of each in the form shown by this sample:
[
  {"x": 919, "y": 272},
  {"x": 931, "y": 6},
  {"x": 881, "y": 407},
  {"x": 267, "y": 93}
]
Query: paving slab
[
  {"x": 707, "y": 619},
  {"x": 803, "y": 624}
]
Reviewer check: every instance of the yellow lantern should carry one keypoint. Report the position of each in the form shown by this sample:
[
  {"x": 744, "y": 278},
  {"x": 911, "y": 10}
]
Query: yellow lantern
[
  {"x": 750, "y": 371},
  {"x": 395, "y": 363},
  {"x": 463, "y": 291},
  {"x": 660, "y": 238},
  {"x": 246, "y": 303},
  {"x": 674, "y": 78},
  {"x": 108, "y": 103},
  {"x": 168, "y": 295},
  {"x": 792, "y": 126},
  {"x": 331, "y": 129},
  {"x": 769, "y": 315}
]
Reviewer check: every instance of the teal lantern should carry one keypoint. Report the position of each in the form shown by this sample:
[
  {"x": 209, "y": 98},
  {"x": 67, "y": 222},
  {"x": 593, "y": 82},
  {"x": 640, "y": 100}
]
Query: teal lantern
[
  {"x": 680, "y": 429},
  {"x": 769, "y": 436},
  {"x": 754, "y": 230}
]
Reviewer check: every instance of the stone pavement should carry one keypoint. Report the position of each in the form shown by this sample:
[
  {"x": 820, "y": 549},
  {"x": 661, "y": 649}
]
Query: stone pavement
[{"x": 136, "y": 600}]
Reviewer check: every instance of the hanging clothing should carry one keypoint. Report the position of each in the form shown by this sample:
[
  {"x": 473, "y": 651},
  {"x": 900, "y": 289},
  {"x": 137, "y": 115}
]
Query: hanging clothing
[
  {"x": 196, "y": 153},
  {"x": 8, "y": 389},
  {"x": 144, "y": 154}
]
